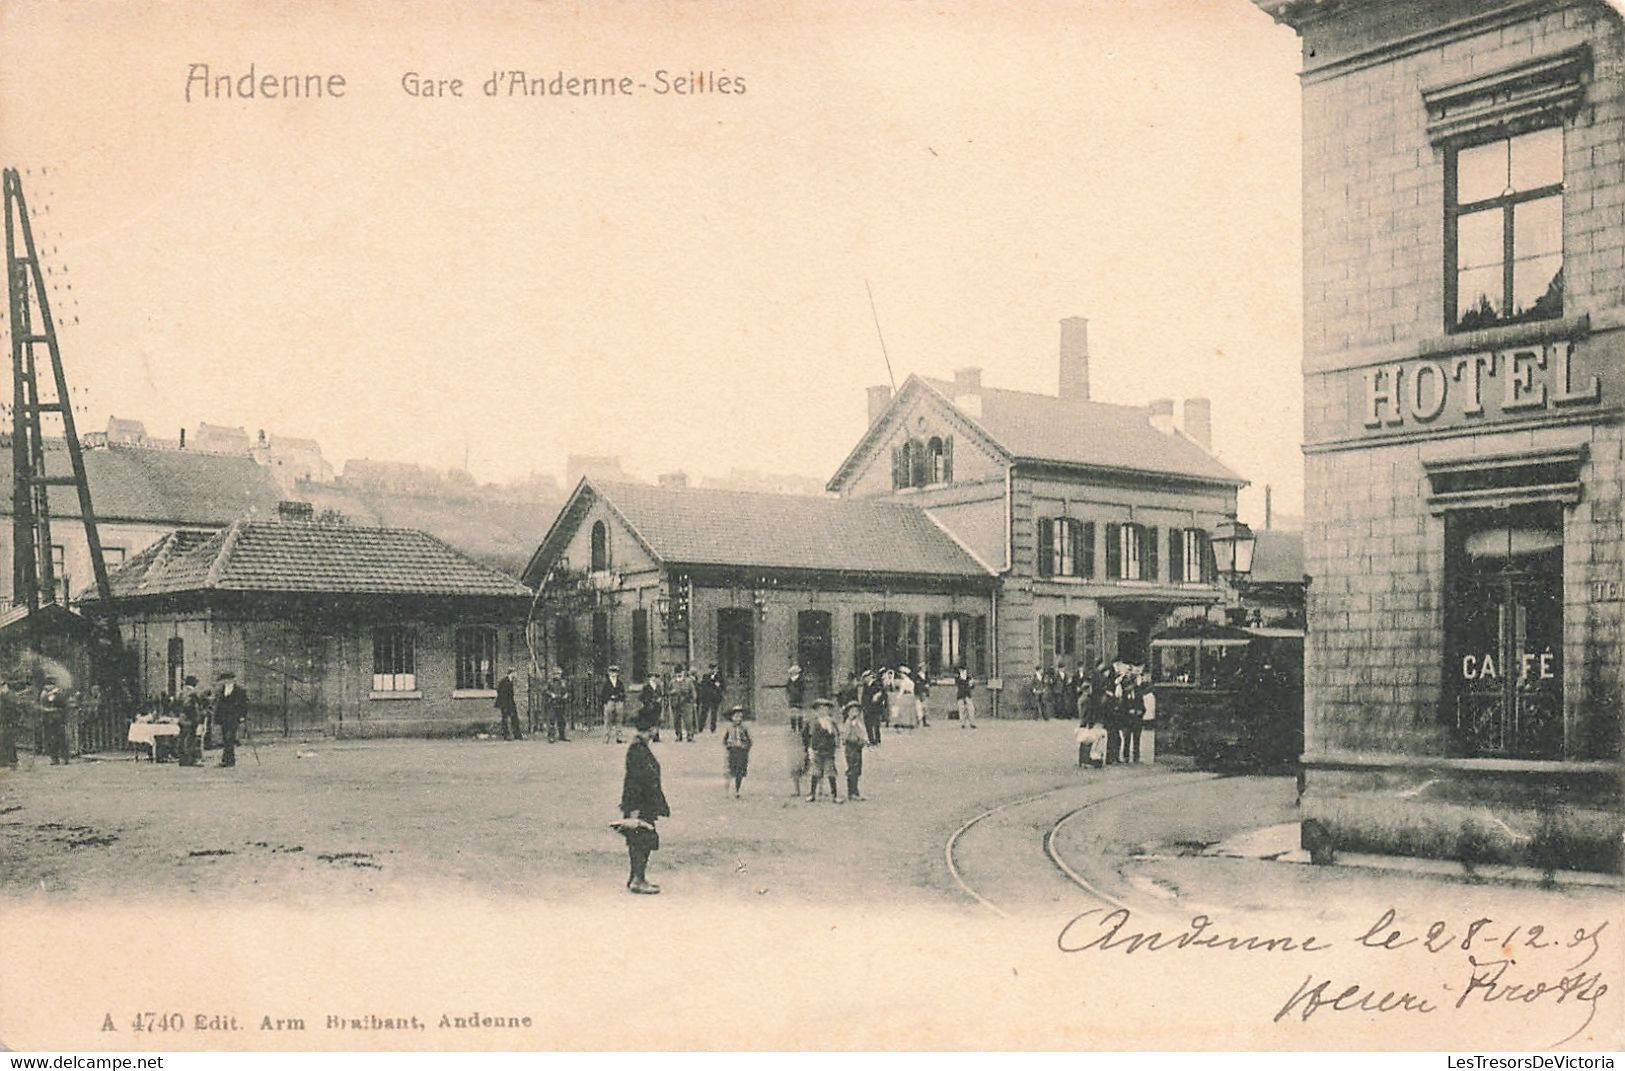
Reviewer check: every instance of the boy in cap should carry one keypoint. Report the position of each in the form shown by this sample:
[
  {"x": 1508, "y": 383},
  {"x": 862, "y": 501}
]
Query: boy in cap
[
  {"x": 736, "y": 742},
  {"x": 643, "y": 803},
  {"x": 822, "y": 738},
  {"x": 854, "y": 737}
]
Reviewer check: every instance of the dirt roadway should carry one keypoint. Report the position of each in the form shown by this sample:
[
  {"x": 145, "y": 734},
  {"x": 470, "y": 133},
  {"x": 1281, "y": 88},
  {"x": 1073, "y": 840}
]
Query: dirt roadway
[{"x": 401, "y": 818}]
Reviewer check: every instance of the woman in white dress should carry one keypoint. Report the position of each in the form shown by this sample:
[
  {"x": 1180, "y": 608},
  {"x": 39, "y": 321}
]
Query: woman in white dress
[{"x": 905, "y": 711}]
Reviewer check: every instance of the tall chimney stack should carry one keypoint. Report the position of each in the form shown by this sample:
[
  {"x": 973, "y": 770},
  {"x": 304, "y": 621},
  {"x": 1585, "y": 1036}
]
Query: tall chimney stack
[
  {"x": 879, "y": 399},
  {"x": 1199, "y": 422},
  {"x": 1075, "y": 359}
]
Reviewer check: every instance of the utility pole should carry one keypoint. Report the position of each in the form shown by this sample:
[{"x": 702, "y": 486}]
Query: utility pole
[{"x": 33, "y": 571}]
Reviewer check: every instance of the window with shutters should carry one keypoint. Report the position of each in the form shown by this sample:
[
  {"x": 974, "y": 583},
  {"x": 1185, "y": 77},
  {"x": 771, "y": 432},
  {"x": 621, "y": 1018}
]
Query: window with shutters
[
  {"x": 1130, "y": 554},
  {"x": 1194, "y": 555},
  {"x": 1058, "y": 637},
  {"x": 922, "y": 462},
  {"x": 885, "y": 639},
  {"x": 1066, "y": 547}
]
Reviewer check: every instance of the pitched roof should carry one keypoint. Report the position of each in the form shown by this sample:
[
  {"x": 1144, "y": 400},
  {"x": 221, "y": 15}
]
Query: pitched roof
[
  {"x": 1043, "y": 427},
  {"x": 307, "y": 558},
  {"x": 1024, "y": 426},
  {"x": 168, "y": 487},
  {"x": 753, "y": 529}
]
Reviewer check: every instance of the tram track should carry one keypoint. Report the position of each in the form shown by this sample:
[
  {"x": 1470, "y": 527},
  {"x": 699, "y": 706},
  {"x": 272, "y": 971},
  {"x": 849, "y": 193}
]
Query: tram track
[{"x": 1017, "y": 870}]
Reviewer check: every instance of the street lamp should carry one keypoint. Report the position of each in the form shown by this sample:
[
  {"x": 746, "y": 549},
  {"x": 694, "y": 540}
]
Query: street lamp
[{"x": 1233, "y": 544}]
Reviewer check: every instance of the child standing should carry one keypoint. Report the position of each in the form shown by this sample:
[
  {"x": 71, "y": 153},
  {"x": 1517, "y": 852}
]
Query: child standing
[
  {"x": 822, "y": 739},
  {"x": 736, "y": 742},
  {"x": 855, "y": 736}
]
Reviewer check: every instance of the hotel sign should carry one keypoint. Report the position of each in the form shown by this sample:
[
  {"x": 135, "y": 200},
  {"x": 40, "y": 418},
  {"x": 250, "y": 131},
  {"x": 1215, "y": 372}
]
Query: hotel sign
[{"x": 1481, "y": 388}]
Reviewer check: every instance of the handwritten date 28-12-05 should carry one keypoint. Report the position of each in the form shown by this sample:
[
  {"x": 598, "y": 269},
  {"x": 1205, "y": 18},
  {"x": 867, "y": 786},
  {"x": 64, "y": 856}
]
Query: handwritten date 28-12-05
[{"x": 1501, "y": 962}]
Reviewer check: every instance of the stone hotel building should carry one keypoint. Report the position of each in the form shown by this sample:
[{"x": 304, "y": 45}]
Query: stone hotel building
[{"x": 1464, "y": 335}]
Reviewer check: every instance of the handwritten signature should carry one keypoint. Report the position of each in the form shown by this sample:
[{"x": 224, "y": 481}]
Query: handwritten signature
[{"x": 1497, "y": 978}]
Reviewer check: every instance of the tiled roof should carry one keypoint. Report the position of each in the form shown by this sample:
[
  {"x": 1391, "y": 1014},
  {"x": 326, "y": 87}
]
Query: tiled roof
[
  {"x": 1043, "y": 427},
  {"x": 167, "y": 487},
  {"x": 308, "y": 558},
  {"x": 772, "y": 531}
]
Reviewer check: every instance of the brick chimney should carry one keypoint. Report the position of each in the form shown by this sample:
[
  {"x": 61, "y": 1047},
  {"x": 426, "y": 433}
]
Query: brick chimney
[
  {"x": 1199, "y": 422},
  {"x": 879, "y": 399},
  {"x": 967, "y": 393},
  {"x": 1075, "y": 359},
  {"x": 1162, "y": 415}
]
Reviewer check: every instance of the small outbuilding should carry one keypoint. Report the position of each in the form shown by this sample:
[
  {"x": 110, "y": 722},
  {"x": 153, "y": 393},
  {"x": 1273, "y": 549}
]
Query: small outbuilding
[{"x": 331, "y": 628}]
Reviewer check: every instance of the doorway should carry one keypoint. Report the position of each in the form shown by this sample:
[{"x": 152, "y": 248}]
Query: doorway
[
  {"x": 1504, "y": 631},
  {"x": 736, "y": 654},
  {"x": 815, "y": 651}
]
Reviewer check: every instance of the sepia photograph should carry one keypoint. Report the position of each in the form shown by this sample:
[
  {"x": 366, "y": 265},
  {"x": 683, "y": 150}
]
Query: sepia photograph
[{"x": 861, "y": 526}]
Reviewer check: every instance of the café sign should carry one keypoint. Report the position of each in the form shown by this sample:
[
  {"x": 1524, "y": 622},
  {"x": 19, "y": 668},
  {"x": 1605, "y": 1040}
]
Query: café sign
[{"x": 1471, "y": 388}]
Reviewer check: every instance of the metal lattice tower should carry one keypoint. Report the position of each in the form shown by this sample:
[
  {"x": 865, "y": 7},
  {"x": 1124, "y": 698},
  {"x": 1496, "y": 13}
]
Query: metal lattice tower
[{"x": 33, "y": 571}]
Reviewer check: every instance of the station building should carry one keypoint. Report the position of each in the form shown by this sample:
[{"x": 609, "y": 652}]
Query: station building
[
  {"x": 1464, "y": 368},
  {"x": 998, "y": 529}
]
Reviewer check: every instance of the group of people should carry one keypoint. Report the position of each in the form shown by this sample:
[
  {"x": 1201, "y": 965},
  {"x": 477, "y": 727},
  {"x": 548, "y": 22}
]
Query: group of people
[
  {"x": 194, "y": 710},
  {"x": 898, "y": 698},
  {"x": 813, "y": 742},
  {"x": 53, "y": 706},
  {"x": 1112, "y": 705}
]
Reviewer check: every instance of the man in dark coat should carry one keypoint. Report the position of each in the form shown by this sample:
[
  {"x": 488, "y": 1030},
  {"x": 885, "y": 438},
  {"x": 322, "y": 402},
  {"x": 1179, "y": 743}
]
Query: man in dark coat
[
  {"x": 191, "y": 709},
  {"x": 874, "y": 705},
  {"x": 230, "y": 709},
  {"x": 711, "y": 690},
  {"x": 508, "y": 708},
  {"x": 557, "y": 698},
  {"x": 11, "y": 718},
  {"x": 642, "y": 804}
]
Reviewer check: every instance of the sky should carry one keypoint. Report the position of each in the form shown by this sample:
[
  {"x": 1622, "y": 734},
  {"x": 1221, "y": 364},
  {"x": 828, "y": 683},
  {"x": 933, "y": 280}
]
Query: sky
[{"x": 679, "y": 280}]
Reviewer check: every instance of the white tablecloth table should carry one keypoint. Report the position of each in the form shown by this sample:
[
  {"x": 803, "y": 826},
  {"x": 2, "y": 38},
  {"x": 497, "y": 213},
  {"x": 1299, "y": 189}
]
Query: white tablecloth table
[{"x": 148, "y": 733}]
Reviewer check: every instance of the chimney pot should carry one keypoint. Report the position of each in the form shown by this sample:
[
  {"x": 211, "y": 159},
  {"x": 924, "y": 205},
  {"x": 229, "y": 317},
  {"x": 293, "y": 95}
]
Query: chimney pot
[
  {"x": 183, "y": 438},
  {"x": 1074, "y": 384},
  {"x": 879, "y": 399},
  {"x": 1199, "y": 422}
]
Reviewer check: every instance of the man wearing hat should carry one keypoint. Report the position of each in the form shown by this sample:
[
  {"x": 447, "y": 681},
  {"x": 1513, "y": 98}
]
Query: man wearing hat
[
  {"x": 642, "y": 804},
  {"x": 557, "y": 698},
  {"x": 508, "y": 708},
  {"x": 230, "y": 708},
  {"x": 874, "y": 705},
  {"x": 795, "y": 693},
  {"x": 822, "y": 739},
  {"x": 612, "y": 694}
]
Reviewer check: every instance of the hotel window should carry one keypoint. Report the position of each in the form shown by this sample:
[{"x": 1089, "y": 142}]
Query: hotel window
[
  {"x": 1066, "y": 547},
  {"x": 1190, "y": 556},
  {"x": 394, "y": 660},
  {"x": 1130, "y": 552},
  {"x": 476, "y": 659},
  {"x": 1504, "y": 230}
]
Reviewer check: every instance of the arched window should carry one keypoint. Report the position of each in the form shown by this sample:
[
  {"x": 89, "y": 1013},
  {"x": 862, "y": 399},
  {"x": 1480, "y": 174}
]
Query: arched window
[
  {"x": 600, "y": 547},
  {"x": 940, "y": 460},
  {"x": 919, "y": 465}
]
